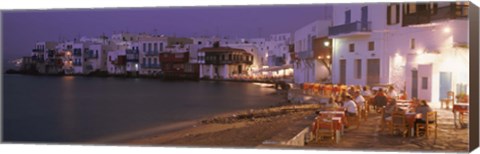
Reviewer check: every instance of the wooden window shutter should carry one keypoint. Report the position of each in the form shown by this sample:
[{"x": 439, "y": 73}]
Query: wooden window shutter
[
  {"x": 389, "y": 14},
  {"x": 398, "y": 13}
]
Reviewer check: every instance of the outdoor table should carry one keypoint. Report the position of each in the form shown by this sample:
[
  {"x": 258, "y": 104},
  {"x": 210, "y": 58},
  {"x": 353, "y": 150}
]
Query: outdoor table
[
  {"x": 403, "y": 104},
  {"x": 410, "y": 117},
  {"x": 459, "y": 108},
  {"x": 336, "y": 114},
  {"x": 337, "y": 126}
]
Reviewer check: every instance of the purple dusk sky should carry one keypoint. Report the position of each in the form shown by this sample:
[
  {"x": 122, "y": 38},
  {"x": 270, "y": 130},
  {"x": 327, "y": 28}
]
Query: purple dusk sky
[{"x": 21, "y": 29}]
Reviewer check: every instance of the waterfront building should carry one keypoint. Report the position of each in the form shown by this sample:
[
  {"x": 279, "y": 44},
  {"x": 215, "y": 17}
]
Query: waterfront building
[
  {"x": 223, "y": 62},
  {"x": 308, "y": 65},
  {"x": 421, "y": 48},
  {"x": 117, "y": 61},
  {"x": 79, "y": 50},
  {"x": 278, "y": 56},
  {"x": 150, "y": 47},
  {"x": 43, "y": 56},
  {"x": 133, "y": 54},
  {"x": 176, "y": 65}
]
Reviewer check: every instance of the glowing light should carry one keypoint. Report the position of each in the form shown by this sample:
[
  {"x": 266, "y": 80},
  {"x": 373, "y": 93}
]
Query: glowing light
[
  {"x": 319, "y": 57},
  {"x": 446, "y": 30},
  {"x": 419, "y": 51},
  {"x": 328, "y": 56},
  {"x": 326, "y": 43}
]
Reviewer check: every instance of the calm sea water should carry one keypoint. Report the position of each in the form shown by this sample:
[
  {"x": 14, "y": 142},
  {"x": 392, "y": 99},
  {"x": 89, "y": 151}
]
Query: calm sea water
[{"x": 79, "y": 109}]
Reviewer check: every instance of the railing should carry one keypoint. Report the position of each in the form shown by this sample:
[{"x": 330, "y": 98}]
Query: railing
[
  {"x": 150, "y": 65},
  {"x": 442, "y": 13},
  {"x": 151, "y": 54},
  {"x": 357, "y": 26},
  {"x": 77, "y": 64},
  {"x": 77, "y": 53},
  {"x": 37, "y": 50},
  {"x": 38, "y": 59},
  {"x": 305, "y": 54}
]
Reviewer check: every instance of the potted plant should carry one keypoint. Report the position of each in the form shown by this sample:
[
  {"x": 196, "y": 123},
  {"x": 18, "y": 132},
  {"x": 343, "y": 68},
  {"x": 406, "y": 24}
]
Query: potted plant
[{"x": 462, "y": 97}]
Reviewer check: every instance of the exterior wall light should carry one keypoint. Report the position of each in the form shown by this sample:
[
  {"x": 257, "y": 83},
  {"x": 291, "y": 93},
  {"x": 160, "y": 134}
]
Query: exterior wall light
[
  {"x": 446, "y": 30},
  {"x": 328, "y": 57},
  {"x": 326, "y": 44}
]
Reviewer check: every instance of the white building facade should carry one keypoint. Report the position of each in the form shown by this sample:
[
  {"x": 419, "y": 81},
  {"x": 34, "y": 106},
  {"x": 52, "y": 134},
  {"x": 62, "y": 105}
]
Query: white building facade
[
  {"x": 307, "y": 68},
  {"x": 419, "y": 48}
]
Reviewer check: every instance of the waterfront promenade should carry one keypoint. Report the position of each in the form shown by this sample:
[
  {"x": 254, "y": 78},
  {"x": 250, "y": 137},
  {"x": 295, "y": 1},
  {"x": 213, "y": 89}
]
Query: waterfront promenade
[{"x": 256, "y": 132}]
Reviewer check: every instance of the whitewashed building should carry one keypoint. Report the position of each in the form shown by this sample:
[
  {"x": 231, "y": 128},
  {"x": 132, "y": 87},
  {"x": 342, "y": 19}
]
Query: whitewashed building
[
  {"x": 116, "y": 63},
  {"x": 43, "y": 55},
  {"x": 418, "y": 47},
  {"x": 307, "y": 67},
  {"x": 150, "y": 47}
]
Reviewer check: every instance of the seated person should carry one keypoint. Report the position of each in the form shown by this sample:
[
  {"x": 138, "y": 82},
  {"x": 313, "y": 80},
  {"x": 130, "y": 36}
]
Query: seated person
[
  {"x": 350, "y": 106},
  {"x": 380, "y": 99},
  {"x": 366, "y": 91},
  {"x": 390, "y": 108},
  {"x": 422, "y": 109},
  {"x": 331, "y": 103},
  {"x": 403, "y": 95},
  {"x": 359, "y": 100}
]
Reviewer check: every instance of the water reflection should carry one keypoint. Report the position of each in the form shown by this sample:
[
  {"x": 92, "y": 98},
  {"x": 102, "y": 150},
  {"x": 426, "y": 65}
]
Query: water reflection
[
  {"x": 67, "y": 117},
  {"x": 81, "y": 108}
]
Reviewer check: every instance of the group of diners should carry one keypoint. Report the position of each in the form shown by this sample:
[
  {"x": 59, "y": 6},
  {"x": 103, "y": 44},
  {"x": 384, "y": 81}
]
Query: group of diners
[{"x": 357, "y": 101}]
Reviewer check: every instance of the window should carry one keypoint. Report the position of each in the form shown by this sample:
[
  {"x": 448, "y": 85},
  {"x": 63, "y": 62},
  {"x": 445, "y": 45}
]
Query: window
[
  {"x": 347, "y": 17},
  {"x": 358, "y": 68},
  {"x": 161, "y": 46},
  {"x": 424, "y": 83},
  {"x": 149, "y": 47},
  {"x": 155, "y": 47},
  {"x": 351, "y": 47},
  {"x": 144, "y": 47},
  {"x": 371, "y": 46},
  {"x": 199, "y": 42},
  {"x": 412, "y": 43},
  {"x": 393, "y": 14}
]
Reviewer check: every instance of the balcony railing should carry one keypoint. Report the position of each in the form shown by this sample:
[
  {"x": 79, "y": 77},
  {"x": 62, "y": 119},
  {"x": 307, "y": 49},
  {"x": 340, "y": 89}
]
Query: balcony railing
[
  {"x": 305, "y": 54},
  {"x": 150, "y": 65},
  {"x": 38, "y": 50},
  {"x": 152, "y": 53},
  {"x": 452, "y": 11},
  {"x": 77, "y": 64},
  {"x": 38, "y": 59},
  {"x": 357, "y": 26}
]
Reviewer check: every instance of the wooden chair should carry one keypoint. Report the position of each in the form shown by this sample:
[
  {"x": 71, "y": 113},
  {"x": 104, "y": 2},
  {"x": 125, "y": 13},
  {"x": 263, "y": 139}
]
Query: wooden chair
[
  {"x": 449, "y": 100},
  {"x": 399, "y": 123},
  {"x": 325, "y": 132},
  {"x": 385, "y": 121},
  {"x": 430, "y": 125}
]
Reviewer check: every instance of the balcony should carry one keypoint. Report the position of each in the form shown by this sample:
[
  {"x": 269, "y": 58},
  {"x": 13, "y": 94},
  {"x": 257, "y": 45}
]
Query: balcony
[
  {"x": 354, "y": 28},
  {"x": 452, "y": 11},
  {"x": 77, "y": 64},
  {"x": 151, "y": 53},
  {"x": 150, "y": 65},
  {"x": 38, "y": 59},
  {"x": 305, "y": 54},
  {"x": 38, "y": 50}
]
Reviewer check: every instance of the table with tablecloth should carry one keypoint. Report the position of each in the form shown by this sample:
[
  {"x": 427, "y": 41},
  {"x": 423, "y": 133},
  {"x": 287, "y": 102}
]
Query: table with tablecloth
[{"x": 459, "y": 108}]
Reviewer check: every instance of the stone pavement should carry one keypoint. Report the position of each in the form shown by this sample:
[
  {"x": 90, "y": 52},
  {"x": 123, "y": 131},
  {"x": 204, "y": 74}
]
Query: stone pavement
[{"x": 369, "y": 137}]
